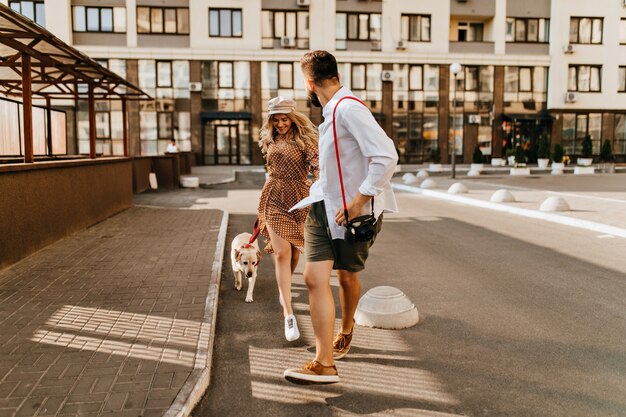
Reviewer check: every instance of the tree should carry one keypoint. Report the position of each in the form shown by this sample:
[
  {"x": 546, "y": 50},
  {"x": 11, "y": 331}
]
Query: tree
[
  {"x": 557, "y": 155},
  {"x": 477, "y": 156},
  {"x": 435, "y": 155},
  {"x": 587, "y": 150},
  {"x": 606, "y": 153},
  {"x": 520, "y": 156},
  {"x": 543, "y": 147}
]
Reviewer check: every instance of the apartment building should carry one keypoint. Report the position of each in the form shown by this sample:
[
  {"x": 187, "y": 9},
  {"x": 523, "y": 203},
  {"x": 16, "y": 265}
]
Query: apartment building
[{"x": 533, "y": 67}]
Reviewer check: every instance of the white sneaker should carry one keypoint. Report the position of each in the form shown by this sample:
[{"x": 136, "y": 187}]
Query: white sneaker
[{"x": 291, "y": 328}]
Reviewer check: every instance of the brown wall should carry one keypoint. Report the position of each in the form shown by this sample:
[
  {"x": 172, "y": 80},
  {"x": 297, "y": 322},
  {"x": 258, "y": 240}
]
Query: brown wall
[
  {"x": 443, "y": 111},
  {"x": 44, "y": 202}
]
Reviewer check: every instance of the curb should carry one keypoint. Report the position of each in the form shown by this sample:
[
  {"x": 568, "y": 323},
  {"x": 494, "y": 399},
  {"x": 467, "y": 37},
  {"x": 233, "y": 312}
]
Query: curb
[
  {"x": 554, "y": 218},
  {"x": 197, "y": 383}
]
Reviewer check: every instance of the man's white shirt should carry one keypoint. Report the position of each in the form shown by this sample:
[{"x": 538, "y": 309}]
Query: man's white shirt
[{"x": 368, "y": 160}]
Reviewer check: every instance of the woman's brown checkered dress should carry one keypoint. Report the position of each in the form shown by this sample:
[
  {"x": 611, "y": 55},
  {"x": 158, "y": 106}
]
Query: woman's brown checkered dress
[{"x": 288, "y": 167}]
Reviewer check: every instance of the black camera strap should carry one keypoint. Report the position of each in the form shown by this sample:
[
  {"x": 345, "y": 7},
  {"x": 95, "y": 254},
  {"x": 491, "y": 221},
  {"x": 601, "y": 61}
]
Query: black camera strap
[{"x": 343, "y": 194}]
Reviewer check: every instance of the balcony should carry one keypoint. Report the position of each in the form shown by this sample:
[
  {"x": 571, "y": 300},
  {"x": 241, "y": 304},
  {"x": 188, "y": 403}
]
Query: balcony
[{"x": 471, "y": 47}]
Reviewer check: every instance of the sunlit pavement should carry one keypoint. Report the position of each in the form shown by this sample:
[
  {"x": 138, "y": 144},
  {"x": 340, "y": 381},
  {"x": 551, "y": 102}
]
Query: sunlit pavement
[{"x": 117, "y": 320}]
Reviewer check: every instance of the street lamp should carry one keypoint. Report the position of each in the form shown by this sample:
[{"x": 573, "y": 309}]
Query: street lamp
[{"x": 455, "y": 69}]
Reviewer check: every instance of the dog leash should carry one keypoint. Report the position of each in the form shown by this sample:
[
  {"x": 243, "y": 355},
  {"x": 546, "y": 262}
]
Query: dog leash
[
  {"x": 255, "y": 233},
  {"x": 343, "y": 194}
]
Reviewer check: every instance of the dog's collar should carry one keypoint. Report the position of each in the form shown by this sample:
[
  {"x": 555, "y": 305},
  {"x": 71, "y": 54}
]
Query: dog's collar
[{"x": 246, "y": 246}]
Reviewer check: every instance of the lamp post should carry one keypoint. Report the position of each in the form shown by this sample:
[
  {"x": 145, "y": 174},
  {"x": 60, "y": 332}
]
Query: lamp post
[{"x": 455, "y": 69}]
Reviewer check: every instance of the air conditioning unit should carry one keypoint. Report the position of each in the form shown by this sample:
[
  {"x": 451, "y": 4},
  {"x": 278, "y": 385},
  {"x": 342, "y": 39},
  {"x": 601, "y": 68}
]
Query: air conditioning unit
[
  {"x": 473, "y": 118},
  {"x": 302, "y": 3},
  {"x": 569, "y": 49},
  {"x": 401, "y": 44},
  {"x": 571, "y": 97},
  {"x": 287, "y": 42},
  {"x": 195, "y": 86},
  {"x": 386, "y": 75}
]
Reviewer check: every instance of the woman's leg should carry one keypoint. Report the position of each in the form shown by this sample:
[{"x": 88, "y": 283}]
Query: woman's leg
[{"x": 283, "y": 259}]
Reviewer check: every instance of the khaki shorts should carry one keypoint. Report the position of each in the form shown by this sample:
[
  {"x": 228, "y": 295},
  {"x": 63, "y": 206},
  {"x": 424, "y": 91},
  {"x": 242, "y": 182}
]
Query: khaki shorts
[{"x": 319, "y": 246}]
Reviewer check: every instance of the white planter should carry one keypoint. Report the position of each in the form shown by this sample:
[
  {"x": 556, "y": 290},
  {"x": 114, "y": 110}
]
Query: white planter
[
  {"x": 189, "y": 182},
  {"x": 498, "y": 162},
  {"x": 607, "y": 168},
  {"x": 585, "y": 162},
  {"x": 520, "y": 171},
  {"x": 435, "y": 168},
  {"x": 476, "y": 167},
  {"x": 542, "y": 163},
  {"x": 557, "y": 168},
  {"x": 511, "y": 160},
  {"x": 583, "y": 170}
]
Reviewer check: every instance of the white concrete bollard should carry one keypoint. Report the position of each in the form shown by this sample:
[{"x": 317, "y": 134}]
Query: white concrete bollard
[
  {"x": 502, "y": 196},
  {"x": 422, "y": 174},
  {"x": 428, "y": 183},
  {"x": 554, "y": 203},
  {"x": 386, "y": 308},
  {"x": 457, "y": 188},
  {"x": 409, "y": 178},
  {"x": 189, "y": 182}
]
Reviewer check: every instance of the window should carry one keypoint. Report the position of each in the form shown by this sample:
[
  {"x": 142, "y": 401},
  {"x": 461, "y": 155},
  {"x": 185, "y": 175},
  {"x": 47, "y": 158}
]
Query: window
[
  {"x": 99, "y": 19},
  {"x": 358, "y": 77},
  {"x": 470, "y": 32},
  {"x": 225, "y": 75},
  {"x": 172, "y": 20},
  {"x": 416, "y": 78},
  {"x": 285, "y": 75},
  {"x": 585, "y": 30},
  {"x": 622, "y": 31},
  {"x": 576, "y": 126},
  {"x": 619, "y": 143},
  {"x": 584, "y": 78},
  {"x": 416, "y": 28},
  {"x": 290, "y": 24},
  {"x": 525, "y": 84},
  {"x": 225, "y": 23},
  {"x": 527, "y": 30},
  {"x": 358, "y": 26},
  {"x": 621, "y": 81},
  {"x": 34, "y": 10}
]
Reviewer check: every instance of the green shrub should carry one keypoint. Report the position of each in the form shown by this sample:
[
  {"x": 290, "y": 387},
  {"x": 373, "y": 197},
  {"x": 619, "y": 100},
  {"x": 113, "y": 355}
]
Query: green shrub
[
  {"x": 557, "y": 155},
  {"x": 520, "y": 156},
  {"x": 435, "y": 155},
  {"x": 543, "y": 147},
  {"x": 587, "y": 150},
  {"x": 510, "y": 152},
  {"x": 606, "y": 153},
  {"x": 477, "y": 156}
]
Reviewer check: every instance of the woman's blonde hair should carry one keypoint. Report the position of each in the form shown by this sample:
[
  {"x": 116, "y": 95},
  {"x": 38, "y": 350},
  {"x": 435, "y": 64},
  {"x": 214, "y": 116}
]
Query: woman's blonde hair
[{"x": 303, "y": 131}]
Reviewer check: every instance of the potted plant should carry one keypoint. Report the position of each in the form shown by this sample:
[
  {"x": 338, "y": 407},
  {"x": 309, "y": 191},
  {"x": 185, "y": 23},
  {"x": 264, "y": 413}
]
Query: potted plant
[
  {"x": 477, "y": 162},
  {"x": 543, "y": 152},
  {"x": 510, "y": 156},
  {"x": 435, "y": 160},
  {"x": 606, "y": 156},
  {"x": 557, "y": 159},
  {"x": 586, "y": 158},
  {"x": 520, "y": 162}
]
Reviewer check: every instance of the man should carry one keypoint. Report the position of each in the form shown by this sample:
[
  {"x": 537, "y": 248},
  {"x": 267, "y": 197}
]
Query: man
[{"x": 368, "y": 159}]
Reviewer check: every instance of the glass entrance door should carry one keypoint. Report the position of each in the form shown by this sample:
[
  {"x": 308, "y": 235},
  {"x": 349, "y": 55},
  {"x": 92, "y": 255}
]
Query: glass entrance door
[{"x": 227, "y": 144}]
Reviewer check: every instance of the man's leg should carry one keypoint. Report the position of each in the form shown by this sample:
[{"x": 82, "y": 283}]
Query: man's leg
[
  {"x": 349, "y": 295},
  {"x": 322, "y": 304}
]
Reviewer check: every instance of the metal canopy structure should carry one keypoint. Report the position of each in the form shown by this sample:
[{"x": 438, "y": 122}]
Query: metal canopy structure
[
  {"x": 57, "y": 69},
  {"x": 34, "y": 62}
]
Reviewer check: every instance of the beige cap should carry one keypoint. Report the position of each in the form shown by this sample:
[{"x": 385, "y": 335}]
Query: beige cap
[{"x": 281, "y": 104}]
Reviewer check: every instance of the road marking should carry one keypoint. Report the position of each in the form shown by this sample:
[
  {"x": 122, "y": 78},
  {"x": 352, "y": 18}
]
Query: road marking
[{"x": 554, "y": 218}]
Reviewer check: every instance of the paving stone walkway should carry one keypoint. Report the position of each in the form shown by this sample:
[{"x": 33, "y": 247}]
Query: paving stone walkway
[{"x": 110, "y": 321}]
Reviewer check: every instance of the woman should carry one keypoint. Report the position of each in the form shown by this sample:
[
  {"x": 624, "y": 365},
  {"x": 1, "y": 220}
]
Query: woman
[{"x": 289, "y": 144}]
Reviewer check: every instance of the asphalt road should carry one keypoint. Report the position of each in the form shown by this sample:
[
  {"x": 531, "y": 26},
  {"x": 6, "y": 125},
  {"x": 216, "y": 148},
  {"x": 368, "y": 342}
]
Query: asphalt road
[{"x": 518, "y": 317}]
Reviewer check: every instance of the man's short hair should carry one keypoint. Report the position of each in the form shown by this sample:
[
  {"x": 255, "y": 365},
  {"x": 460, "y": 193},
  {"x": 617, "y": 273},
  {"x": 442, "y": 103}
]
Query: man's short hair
[{"x": 319, "y": 66}]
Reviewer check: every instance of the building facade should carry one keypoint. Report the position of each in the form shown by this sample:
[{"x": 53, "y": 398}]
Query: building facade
[{"x": 531, "y": 68}]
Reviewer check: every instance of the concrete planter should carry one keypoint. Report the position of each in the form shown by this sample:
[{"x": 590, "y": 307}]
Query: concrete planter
[
  {"x": 584, "y": 170},
  {"x": 520, "y": 171},
  {"x": 585, "y": 162},
  {"x": 476, "y": 167},
  {"x": 607, "y": 168},
  {"x": 435, "y": 168},
  {"x": 511, "y": 160},
  {"x": 542, "y": 163},
  {"x": 498, "y": 162},
  {"x": 557, "y": 168}
]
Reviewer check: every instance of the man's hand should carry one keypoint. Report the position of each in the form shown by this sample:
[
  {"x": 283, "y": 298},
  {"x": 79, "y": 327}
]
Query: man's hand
[{"x": 354, "y": 209}]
